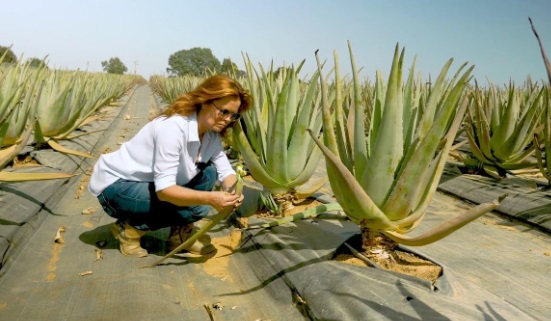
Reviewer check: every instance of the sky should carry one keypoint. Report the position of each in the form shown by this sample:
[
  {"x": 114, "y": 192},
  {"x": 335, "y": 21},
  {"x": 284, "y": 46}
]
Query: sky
[{"x": 493, "y": 35}]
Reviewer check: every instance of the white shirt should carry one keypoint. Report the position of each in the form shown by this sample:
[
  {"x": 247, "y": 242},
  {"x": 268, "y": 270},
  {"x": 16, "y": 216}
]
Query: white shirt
[{"x": 165, "y": 151}]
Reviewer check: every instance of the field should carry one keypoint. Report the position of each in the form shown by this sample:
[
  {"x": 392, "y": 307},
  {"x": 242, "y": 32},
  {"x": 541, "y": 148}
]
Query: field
[{"x": 60, "y": 261}]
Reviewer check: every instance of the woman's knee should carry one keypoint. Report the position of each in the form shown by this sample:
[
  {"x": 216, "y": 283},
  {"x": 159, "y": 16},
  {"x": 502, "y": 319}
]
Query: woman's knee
[{"x": 205, "y": 180}]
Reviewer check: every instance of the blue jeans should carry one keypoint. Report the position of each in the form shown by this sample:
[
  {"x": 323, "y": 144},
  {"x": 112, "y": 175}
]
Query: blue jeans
[{"x": 137, "y": 203}]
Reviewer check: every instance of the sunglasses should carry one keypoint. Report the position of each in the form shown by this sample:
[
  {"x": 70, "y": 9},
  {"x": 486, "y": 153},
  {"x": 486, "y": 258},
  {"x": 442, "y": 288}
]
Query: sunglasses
[{"x": 225, "y": 113}]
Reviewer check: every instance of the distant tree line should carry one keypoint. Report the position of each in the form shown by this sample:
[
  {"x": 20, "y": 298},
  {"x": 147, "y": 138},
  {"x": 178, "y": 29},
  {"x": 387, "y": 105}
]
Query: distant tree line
[
  {"x": 114, "y": 66},
  {"x": 10, "y": 57},
  {"x": 199, "y": 62},
  {"x": 195, "y": 61}
]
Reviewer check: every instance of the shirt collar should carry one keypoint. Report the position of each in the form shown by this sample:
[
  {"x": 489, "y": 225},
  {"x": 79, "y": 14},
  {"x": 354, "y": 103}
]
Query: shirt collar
[{"x": 193, "y": 128}]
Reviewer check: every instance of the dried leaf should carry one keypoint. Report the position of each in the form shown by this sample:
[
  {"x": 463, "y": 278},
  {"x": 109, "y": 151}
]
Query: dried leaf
[
  {"x": 99, "y": 254},
  {"x": 58, "y": 238},
  {"x": 89, "y": 211},
  {"x": 209, "y": 311}
]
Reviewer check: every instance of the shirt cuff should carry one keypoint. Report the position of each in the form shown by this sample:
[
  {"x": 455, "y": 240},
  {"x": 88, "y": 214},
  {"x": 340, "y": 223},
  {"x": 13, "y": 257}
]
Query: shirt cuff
[
  {"x": 225, "y": 174},
  {"x": 163, "y": 183}
]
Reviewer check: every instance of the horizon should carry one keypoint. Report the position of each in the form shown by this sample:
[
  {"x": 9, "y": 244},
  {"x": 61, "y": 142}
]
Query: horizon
[{"x": 493, "y": 35}]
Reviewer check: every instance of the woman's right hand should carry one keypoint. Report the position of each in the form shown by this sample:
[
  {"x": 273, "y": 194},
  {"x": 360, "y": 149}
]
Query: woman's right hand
[{"x": 221, "y": 200}]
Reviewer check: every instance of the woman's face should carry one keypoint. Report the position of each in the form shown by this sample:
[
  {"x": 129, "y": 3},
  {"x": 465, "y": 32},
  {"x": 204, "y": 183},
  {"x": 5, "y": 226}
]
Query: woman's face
[{"x": 218, "y": 114}]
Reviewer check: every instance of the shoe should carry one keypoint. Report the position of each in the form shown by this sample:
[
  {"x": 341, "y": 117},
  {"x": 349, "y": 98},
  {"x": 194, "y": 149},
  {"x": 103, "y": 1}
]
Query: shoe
[
  {"x": 129, "y": 239},
  {"x": 179, "y": 234}
]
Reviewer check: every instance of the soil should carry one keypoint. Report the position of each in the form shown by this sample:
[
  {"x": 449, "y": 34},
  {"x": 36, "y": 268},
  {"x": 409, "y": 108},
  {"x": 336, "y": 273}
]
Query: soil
[
  {"x": 217, "y": 265},
  {"x": 24, "y": 161},
  {"x": 298, "y": 206},
  {"x": 404, "y": 262}
]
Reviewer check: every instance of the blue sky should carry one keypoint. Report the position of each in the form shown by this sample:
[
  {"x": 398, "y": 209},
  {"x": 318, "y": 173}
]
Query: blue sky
[{"x": 494, "y": 35}]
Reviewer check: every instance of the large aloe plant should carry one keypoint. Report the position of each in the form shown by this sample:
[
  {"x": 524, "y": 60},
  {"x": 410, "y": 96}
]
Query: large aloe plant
[
  {"x": 385, "y": 181},
  {"x": 272, "y": 137}
]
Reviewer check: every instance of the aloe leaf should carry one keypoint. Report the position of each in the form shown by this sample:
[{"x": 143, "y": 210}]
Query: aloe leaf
[
  {"x": 355, "y": 202},
  {"x": 251, "y": 159},
  {"x": 378, "y": 177},
  {"x": 502, "y": 133},
  {"x": 329, "y": 134},
  {"x": 359, "y": 143},
  {"x": 278, "y": 135},
  {"x": 25, "y": 177},
  {"x": 300, "y": 149},
  {"x": 56, "y": 146},
  {"x": 329, "y": 207},
  {"x": 447, "y": 227}
]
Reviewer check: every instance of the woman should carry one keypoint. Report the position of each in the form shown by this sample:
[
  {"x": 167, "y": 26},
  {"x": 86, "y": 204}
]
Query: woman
[{"x": 164, "y": 176}]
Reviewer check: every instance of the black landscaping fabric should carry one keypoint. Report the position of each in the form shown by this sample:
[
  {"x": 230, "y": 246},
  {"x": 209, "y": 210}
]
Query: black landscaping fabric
[
  {"x": 494, "y": 269},
  {"x": 527, "y": 200}
]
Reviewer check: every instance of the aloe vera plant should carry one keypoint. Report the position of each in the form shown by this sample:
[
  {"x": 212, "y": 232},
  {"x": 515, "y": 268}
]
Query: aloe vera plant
[
  {"x": 20, "y": 90},
  {"x": 385, "y": 181},
  {"x": 169, "y": 89},
  {"x": 500, "y": 127},
  {"x": 272, "y": 137},
  {"x": 68, "y": 100}
]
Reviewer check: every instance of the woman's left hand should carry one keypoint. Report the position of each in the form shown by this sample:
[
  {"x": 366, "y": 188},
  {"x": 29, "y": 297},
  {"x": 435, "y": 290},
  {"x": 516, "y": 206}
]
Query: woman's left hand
[{"x": 239, "y": 201}]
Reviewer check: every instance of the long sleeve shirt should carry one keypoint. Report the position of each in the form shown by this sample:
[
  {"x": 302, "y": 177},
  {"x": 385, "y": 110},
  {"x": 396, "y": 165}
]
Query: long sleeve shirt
[{"x": 165, "y": 151}]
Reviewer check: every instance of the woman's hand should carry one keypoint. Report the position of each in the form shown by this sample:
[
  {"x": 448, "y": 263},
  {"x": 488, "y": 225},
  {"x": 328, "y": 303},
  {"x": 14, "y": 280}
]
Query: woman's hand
[
  {"x": 228, "y": 184},
  {"x": 239, "y": 201},
  {"x": 223, "y": 200}
]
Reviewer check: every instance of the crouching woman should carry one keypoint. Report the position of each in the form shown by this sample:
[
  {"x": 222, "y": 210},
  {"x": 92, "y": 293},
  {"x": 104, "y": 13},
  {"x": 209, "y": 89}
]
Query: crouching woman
[{"x": 164, "y": 176}]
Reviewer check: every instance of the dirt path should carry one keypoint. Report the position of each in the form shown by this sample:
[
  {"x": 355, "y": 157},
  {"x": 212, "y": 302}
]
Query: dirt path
[{"x": 86, "y": 278}]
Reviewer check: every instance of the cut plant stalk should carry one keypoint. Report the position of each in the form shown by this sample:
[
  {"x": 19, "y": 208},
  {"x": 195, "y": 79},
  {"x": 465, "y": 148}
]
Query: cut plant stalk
[
  {"x": 237, "y": 190},
  {"x": 544, "y": 161}
]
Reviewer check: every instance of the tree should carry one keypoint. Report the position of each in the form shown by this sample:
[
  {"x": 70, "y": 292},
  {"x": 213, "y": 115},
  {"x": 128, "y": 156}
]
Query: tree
[
  {"x": 230, "y": 68},
  {"x": 10, "y": 56},
  {"x": 36, "y": 62},
  {"x": 114, "y": 66},
  {"x": 195, "y": 61}
]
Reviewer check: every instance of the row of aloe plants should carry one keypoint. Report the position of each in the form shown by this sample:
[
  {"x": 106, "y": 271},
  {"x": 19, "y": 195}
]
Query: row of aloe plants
[
  {"x": 386, "y": 143},
  {"x": 47, "y": 106},
  {"x": 507, "y": 128}
]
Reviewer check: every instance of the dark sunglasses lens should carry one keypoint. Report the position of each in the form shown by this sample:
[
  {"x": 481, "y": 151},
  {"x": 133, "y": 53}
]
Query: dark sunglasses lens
[{"x": 235, "y": 116}]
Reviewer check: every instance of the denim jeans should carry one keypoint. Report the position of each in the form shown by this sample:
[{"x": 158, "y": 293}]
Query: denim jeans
[{"x": 137, "y": 203}]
